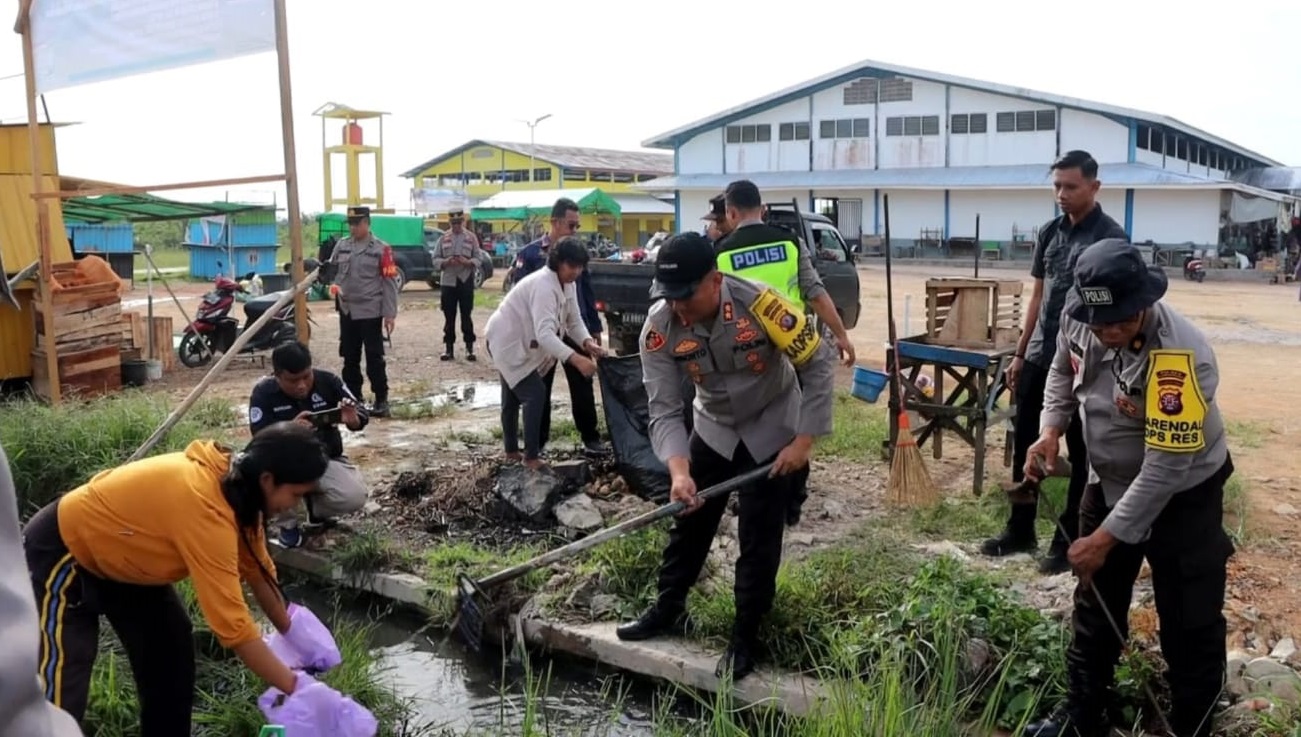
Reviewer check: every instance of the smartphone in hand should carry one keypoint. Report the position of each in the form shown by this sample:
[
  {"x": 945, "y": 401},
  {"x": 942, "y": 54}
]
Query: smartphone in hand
[{"x": 332, "y": 416}]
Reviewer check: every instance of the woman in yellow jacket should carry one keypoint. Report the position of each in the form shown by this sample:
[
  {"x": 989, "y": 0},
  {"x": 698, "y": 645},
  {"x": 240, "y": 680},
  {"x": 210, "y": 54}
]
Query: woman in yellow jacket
[{"x": 115, "y": 545}]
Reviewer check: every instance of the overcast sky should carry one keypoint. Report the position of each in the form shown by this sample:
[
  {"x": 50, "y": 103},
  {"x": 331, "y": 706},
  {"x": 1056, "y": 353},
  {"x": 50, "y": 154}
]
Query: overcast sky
[{"x": 613, "y": 74}]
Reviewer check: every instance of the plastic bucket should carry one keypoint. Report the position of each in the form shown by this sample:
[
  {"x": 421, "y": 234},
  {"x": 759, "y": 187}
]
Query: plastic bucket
[
  {"x": 154, "y": 369},
  {"x": 135, "y": 373},
  {"x": 868, "y": 383}
]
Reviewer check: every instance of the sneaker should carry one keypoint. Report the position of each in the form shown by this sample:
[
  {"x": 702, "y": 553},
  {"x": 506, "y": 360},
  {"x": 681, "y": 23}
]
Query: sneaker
[{"x": 290, "y": 537}]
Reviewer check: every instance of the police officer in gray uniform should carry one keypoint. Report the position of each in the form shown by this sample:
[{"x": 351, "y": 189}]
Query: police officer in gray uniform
[
  {"x": 367, "y": 300},
  {"x": 457, "y": 259},
  {"x": 742, "y": 345},
  {"x": 1144, "y": 380}
]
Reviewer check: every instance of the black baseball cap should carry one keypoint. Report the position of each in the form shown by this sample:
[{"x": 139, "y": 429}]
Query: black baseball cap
[
  {"x": 681, "y": 265},
  {"x": 1113, "y": 283}
]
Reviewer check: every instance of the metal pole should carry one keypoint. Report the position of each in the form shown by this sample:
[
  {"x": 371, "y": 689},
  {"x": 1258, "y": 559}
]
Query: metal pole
[{"x": 291, "y": 175}]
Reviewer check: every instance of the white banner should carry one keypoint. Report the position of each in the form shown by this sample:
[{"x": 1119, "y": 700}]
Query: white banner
[
  {"x": 77, "y": 42},
  {"x": 438, "y": 201}
]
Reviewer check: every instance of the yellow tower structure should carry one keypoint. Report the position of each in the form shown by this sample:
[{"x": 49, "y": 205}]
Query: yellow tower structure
[{"x": 352, "y": 146}]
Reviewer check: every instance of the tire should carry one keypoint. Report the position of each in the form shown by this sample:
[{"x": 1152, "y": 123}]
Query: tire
[
  {"x": 194, "y": 351},
  {"x": 479, "y": 276},
  {"x": 401, "y": 278},
  {"x": 507, "y": 282}
]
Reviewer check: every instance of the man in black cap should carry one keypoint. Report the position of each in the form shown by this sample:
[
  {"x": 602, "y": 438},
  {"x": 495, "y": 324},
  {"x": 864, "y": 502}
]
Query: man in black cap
[
  {"x": 718, "y": 228},
  {"x": 742, "y": 344},
  {"x": 367, "y": 300},
  {"x": 1144, "y": 380},
  {"x": 457, "y": 259}
]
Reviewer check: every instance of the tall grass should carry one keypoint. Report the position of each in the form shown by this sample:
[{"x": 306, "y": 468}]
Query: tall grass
[{"x": 53, "y": 449}]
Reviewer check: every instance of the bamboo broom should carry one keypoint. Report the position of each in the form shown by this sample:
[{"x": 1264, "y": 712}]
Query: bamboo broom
[{"x": 910, "y": 484}]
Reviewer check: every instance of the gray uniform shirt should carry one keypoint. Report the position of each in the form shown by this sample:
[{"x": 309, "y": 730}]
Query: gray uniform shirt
[
  {"x": 1151, "y": 422},
  {"x": 24, "y": 712},
  {"x": 1060, "y": 244},
  {"x": 464, "y": 244},
  {"x": 746, "y": 388},
  {"x": 365, "y": 293}
]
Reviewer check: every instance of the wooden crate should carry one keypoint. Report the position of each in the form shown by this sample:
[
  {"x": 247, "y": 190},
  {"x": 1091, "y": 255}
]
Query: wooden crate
[
  {"x": 82, "y": 320},
  {"x": 83, "y": 374},
  {"x": 973, "y": 313},
  {"x": 133, "y": 331}
]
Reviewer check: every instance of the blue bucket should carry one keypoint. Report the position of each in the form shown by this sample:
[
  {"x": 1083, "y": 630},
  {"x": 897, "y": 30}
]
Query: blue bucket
[{"x": 868, "y": 383}]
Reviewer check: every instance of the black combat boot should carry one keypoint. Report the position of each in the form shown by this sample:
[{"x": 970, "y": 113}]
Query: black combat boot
[
  {"x": 469, "y": 353},
  {"x": 1055, "y": 561},
  {"x": 657, "y": 621},
  {"x": 1017, "y": 537},
  {"x": 380, "y": 408},
  {"x": 738, "y": 660},
  {"x": 1066, "y": 721},
  {"x": 448, "y": 354}
]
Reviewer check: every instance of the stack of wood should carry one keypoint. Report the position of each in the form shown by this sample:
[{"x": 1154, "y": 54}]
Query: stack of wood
[
  {"x": 136, "y": 332},
  {"x": 980, "y": 314},
  {"x": 87, "y": 307}
]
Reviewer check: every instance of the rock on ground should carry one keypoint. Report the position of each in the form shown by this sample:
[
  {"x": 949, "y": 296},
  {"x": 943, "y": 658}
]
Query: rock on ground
[{"x": 579, "y": 512}]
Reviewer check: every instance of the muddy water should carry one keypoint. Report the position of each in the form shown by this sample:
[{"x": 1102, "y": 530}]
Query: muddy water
[{"x": 457, "y": 693}]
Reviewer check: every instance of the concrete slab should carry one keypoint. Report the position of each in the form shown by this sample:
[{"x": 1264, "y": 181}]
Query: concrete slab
[{"x": 679, "y": 662}]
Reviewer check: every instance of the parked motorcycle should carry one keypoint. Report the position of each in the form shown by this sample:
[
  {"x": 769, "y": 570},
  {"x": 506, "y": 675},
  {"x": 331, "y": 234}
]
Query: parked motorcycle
[
  {"x": 1194, "y": 269},
  {"x": 214, "y": 330}
]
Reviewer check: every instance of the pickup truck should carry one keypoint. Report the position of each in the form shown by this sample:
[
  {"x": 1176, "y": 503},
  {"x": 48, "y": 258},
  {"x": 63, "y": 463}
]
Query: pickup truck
[
  {"x": 413, "y": 246},
  {"x": 622, "y": 289}
]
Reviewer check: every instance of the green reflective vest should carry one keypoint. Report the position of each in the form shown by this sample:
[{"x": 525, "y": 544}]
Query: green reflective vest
[{"x": 774, "y": 264}]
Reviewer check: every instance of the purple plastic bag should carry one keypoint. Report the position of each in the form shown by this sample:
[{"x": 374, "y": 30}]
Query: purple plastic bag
[
  {"x": 316, "y": 710},
  {"x": 308, "y": 645}
]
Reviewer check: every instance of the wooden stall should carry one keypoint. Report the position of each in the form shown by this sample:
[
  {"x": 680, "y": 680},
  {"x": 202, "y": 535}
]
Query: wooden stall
[
  {"x": 972, "y": 328},
  {"x": 87, "y": 323}
]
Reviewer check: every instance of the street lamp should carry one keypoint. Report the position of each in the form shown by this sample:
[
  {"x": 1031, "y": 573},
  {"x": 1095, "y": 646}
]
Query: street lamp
[{"x": 532, "y": 125}]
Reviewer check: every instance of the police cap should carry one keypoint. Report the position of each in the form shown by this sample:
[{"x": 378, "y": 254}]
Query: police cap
[
  {"x": 1113, "y": 283},
  {"x": 358, "y": 213}
]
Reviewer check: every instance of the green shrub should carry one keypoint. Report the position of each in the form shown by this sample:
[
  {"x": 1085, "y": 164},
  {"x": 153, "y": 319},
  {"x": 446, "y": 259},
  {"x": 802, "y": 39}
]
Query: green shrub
[{"x": 54, "y": 449}]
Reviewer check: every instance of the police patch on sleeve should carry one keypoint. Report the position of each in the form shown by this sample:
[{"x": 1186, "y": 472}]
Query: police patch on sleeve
[
  {"x": 654, "y": 340},
  {"x": 254, "y": 415},
  {"x": 787, "y": 326},
  {"x": 1176, "y": 409}
]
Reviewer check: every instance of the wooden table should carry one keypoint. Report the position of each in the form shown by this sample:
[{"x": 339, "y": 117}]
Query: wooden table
[{"x": 966, "y": 407}]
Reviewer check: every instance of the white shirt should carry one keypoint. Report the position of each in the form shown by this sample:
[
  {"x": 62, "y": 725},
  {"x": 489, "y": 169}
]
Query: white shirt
[{"x": 523, "y": 335}]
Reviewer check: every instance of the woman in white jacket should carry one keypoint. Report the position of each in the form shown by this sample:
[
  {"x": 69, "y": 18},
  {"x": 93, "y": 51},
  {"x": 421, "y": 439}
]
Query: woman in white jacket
[{"x": 523, "y": 339}]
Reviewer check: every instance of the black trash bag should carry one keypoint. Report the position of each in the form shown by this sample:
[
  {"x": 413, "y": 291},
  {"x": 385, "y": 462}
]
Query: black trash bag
[{"x": 623, "y": 395}]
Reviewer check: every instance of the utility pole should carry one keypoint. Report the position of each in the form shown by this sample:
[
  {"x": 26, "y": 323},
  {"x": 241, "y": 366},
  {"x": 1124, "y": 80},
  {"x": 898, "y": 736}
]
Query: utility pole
[{"x": 532, "y": 140}]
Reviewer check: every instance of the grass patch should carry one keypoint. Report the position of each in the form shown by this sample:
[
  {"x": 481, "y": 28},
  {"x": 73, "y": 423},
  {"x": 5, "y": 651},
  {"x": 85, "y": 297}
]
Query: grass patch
[
  {"x": 488, "y": 299},
  {"x": 54, "y": 449},
  {"x": 444, "y": 562},
  {"x": 870, "y": 608},
  {"x": 1236, "y": 506},
  {"x": 1246, "y": 433},
  {"x": 421, "y": 409},
  {"x": 859, "y": 429}
]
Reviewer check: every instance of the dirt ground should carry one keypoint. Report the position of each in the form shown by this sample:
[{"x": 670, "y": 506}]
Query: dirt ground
[{"x": 1254, "y": 327}]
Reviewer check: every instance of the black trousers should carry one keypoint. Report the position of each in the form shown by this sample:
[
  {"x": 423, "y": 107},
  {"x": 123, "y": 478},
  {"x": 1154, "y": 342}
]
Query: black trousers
[
  {"x": 530, "y": 394},
  {"x": 1187, "y": 551},
  {"x": 762, "y": 520},
  {"x": 582, "y": 398},
  {"x": 451, "y": 299},
  {"x": 1029, "y": 404},
  {"x": 150, "y": 621},
  {"x": 354, "y": 337}
]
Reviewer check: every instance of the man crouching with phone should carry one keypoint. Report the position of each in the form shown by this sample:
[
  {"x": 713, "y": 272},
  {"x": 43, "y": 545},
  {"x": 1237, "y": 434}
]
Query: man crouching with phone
[{"x": 318, "y": 399}]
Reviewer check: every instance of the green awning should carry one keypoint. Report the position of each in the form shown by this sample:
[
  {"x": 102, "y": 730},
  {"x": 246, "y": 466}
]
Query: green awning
[
  {"x": 395, "y": 230},
  {"x": 143, "y": 208},
  {"x": 525, "y": 204}
]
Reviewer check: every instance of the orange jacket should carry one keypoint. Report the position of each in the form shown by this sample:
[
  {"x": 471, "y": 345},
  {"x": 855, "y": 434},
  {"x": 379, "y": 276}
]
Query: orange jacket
[{"x": 163, "y": 519}]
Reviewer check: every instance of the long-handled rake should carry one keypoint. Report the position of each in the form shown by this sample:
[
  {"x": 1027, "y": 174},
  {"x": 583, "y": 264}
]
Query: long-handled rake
[
  {"x": 1030, "y": 492},
  {"x": 472, "y": 595}
]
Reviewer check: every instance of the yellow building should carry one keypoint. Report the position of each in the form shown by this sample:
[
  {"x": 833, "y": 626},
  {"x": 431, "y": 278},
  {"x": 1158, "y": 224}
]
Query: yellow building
[{"x": 483, "y": 168}]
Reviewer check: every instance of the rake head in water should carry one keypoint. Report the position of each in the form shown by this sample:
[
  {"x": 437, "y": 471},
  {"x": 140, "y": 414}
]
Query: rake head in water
[{"x": 469, "y": 612}]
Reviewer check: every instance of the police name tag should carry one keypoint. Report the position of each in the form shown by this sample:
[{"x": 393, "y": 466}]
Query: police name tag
[
  {"x": 1176, "y": 409},
  {"x": 787, "y": 326},
  {"x": 1095, "y": 296}
]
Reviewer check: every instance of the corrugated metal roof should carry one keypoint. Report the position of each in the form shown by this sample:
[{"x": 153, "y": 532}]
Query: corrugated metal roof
[
  {"x": 568, "y": 157},
  {"x": 18, "y": 244},
  {"x": 640, "y": 204},
  {"x": 865, "y": 67},
  {"x": 143, "y": 208},
  {"x": 1028, "y": 176},
  {"x": 1274, "y": 178}
]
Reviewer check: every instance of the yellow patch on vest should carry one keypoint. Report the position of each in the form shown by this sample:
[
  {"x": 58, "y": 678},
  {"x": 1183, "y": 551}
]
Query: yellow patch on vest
[
  {"x": 787, "y": 326},
  {"x": 1176, "y": 409}
]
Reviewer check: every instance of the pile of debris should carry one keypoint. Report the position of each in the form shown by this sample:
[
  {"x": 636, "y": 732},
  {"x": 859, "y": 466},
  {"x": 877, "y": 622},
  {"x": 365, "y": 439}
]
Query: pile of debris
[{"x": 486, "y": 500}]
